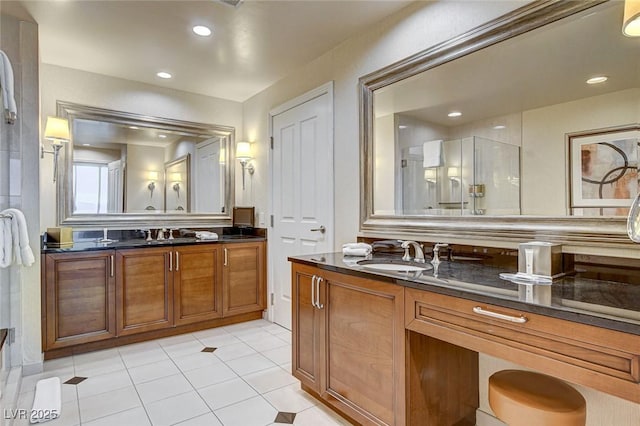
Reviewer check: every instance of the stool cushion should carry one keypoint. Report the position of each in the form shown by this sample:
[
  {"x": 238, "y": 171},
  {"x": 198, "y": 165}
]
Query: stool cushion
[{"x": 526, "y": 398}]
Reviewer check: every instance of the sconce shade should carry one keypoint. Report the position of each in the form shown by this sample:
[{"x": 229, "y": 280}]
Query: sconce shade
[
  {"x": 176, "y": 177},
  {"x": 631, "y": 20},
  {"x": 429, "y": 174},
  {"x": 223, "y": 156},
  {"x": 153, "y": 176},
  {"x": 453, "y": 172},
  {"x": 243, "y": 151},
  {"x": 57, "y": 129}
]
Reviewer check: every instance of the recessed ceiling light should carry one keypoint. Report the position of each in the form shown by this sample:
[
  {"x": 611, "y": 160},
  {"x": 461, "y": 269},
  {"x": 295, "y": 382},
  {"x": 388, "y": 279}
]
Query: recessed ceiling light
[
  {"x": 454, "y": 114},
  {"x": 597, "y": 79},
  {"x": 133, "y": 127},
  {"x": 202, "y": 31},
  {"x": 499, "y": 127},
  {"x": 86, "y": 144},
  {"x": 163, "y": 74},
  {"x": 161, "y": 136},
  {"x": 402, "y": 126}
]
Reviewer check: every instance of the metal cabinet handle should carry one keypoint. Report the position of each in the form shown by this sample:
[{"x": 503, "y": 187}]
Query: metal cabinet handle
[
  {"x": 170, "y": 261},
  {"x": 322, "y": 229},
  {"x": 225, "y": 257},
  {"x": 318, "y": 304},
  {"x": 313, "y": 291},
  {"x": 520, "y": 320},
  {"x": 112, "y": 265},
  {"x": 177, "y": 261}
]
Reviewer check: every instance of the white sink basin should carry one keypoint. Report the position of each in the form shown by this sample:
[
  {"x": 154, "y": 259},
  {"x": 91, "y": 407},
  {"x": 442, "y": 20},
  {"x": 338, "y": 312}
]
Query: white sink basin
[{"x": 393, "y": 267}]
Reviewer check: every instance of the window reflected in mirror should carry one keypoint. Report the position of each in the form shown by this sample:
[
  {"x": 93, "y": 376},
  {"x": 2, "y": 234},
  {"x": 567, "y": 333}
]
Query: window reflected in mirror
[{"x": 120, "y": 168}]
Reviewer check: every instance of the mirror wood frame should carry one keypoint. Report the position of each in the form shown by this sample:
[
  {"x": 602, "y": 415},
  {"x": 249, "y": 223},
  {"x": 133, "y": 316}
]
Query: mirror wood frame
[
  {"x": 64, "y": 201},
  {"x": 577, "y": 234}
]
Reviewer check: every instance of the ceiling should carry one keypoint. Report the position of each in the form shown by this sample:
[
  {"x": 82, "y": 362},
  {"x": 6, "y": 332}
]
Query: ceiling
[
  {"x": 545, "y": 67},
  {"x": 252, "y": 45}
]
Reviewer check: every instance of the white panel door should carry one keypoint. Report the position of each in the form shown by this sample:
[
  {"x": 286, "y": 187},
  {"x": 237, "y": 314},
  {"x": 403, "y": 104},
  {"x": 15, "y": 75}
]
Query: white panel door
[
  {"x": 208, "y": 177},
  {"x": 115, "y": 187},
  {"x": 302, "y": 197}
]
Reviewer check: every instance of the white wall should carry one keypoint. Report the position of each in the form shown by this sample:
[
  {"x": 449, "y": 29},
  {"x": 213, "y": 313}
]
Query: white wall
[
  {"x": 140, "y": 160},
  {"x": 415, "y": 28},
  {"x": 544, "y": 145},
  {"x": 65, "y": 84}
]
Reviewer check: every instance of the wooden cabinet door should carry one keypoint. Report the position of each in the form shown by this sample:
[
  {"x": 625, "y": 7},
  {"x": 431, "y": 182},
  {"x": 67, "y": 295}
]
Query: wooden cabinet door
[
  {"x": 364, "y": 344},
  {"x": 78, "y": 298},
  {"x": 144, "y": 289},
  {"x": 305, "y": 327},
  {"x": 197, "y": 283},
  {"x": 244, "y": 278}
]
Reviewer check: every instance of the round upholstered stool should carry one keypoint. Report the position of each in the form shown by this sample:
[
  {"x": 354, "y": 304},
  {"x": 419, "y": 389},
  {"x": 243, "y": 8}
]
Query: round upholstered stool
[{"x": 524, "y": 398}]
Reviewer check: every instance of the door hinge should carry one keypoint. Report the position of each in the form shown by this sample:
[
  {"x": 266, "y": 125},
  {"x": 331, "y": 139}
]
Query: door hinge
[
  {"x": 271, "y": 220},
  {"x": 271, "y": 140},
  {"x": 273, "y": 299}
]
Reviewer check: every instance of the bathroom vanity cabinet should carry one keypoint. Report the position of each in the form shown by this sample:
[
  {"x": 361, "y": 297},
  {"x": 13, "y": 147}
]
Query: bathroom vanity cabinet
[
  {"x": 110, "y": 297},
  {"x": 355, "y": 348},
  {"x": 348, "y": 340}
]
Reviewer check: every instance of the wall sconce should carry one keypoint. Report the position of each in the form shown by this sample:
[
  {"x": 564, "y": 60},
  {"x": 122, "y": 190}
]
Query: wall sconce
[
  {"x": 631, "y": 20},
  {"x": 453, "y": 173},
  {"x": 430, "y": 175},
  {"x": 153, "y": 177},
  {"x": 243, "y": 153},
  {"x": 176, "y": 178},
  {"x": 57, "y": 131},
  {"x": 223, "y": 156}
]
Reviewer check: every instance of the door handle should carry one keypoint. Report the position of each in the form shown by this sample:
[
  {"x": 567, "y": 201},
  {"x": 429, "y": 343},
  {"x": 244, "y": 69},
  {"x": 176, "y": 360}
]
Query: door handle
[
  {"x": 225, "y": 257},
  {"x": 170, "y": 261},
  {"x": 112, "y": 265},
  {"x": 322, "y": 229},
  {"x": 318, "y": 304},
  {"x": 313, "y": 291},
  {"x": 177, "y": 261}
]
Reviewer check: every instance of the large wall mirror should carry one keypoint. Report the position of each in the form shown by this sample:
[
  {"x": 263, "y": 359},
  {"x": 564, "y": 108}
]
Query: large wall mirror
[
  {"x": 131, "y": 170},
  {"x": 497, "y": 134}
]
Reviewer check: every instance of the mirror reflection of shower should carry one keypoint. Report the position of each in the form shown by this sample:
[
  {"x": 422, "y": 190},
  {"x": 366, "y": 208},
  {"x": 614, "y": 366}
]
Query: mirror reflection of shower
[{"x": 469, "y": 176}]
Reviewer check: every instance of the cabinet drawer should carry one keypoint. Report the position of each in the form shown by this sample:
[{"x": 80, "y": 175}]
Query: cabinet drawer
[{"x": 578, "y": 352}]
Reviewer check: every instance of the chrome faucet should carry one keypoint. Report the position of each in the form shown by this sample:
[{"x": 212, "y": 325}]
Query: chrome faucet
[
  {"x": 160, "y": 236},
  {"x": 419, "y": 254},
  {"x": 436, "y": 250}
]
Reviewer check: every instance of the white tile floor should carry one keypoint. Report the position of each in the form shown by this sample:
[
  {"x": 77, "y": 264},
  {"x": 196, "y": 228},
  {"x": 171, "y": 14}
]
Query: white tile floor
[{"x": 245, "y": 382}]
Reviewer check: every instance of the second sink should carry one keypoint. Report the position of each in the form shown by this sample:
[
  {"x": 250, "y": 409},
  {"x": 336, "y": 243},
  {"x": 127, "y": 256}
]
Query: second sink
[{"x": 393, "y": 266}]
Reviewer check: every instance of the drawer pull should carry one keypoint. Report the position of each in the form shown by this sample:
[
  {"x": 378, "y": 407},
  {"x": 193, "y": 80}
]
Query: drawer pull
[{"x": 520, "y": 320}]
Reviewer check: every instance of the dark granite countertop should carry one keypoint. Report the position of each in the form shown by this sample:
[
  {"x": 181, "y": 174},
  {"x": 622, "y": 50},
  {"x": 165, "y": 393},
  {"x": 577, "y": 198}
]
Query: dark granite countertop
[
  {"x": 606, "y": 304},
  {"x": 91, "y": 244}
]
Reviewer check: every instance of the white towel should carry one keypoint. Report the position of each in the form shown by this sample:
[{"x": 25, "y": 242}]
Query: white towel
[
  {"x": 432, "y": 154},
  {"x": 47, "y": 403},
  {"x": 206, "y": 235},
  {"x": 8, "y": 90},
  {"x": 16, "y": 248},
  {"x": 356, "y": 249},
  {"x": 6, "y": 242}
]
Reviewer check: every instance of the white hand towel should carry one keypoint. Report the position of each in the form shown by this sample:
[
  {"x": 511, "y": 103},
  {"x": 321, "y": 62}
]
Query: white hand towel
[
  {"x": 47, "y": 403},
  {"x": 21, "y": 251},
  {"x": 356, "y": 249},
  {"x": 6, "y": 81},
  {"x": 206, "y": 235},
  {"x": 432, "y": 154},
  {"x": 6, "y": 242},
  {"x": 355, "y": 252}
]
